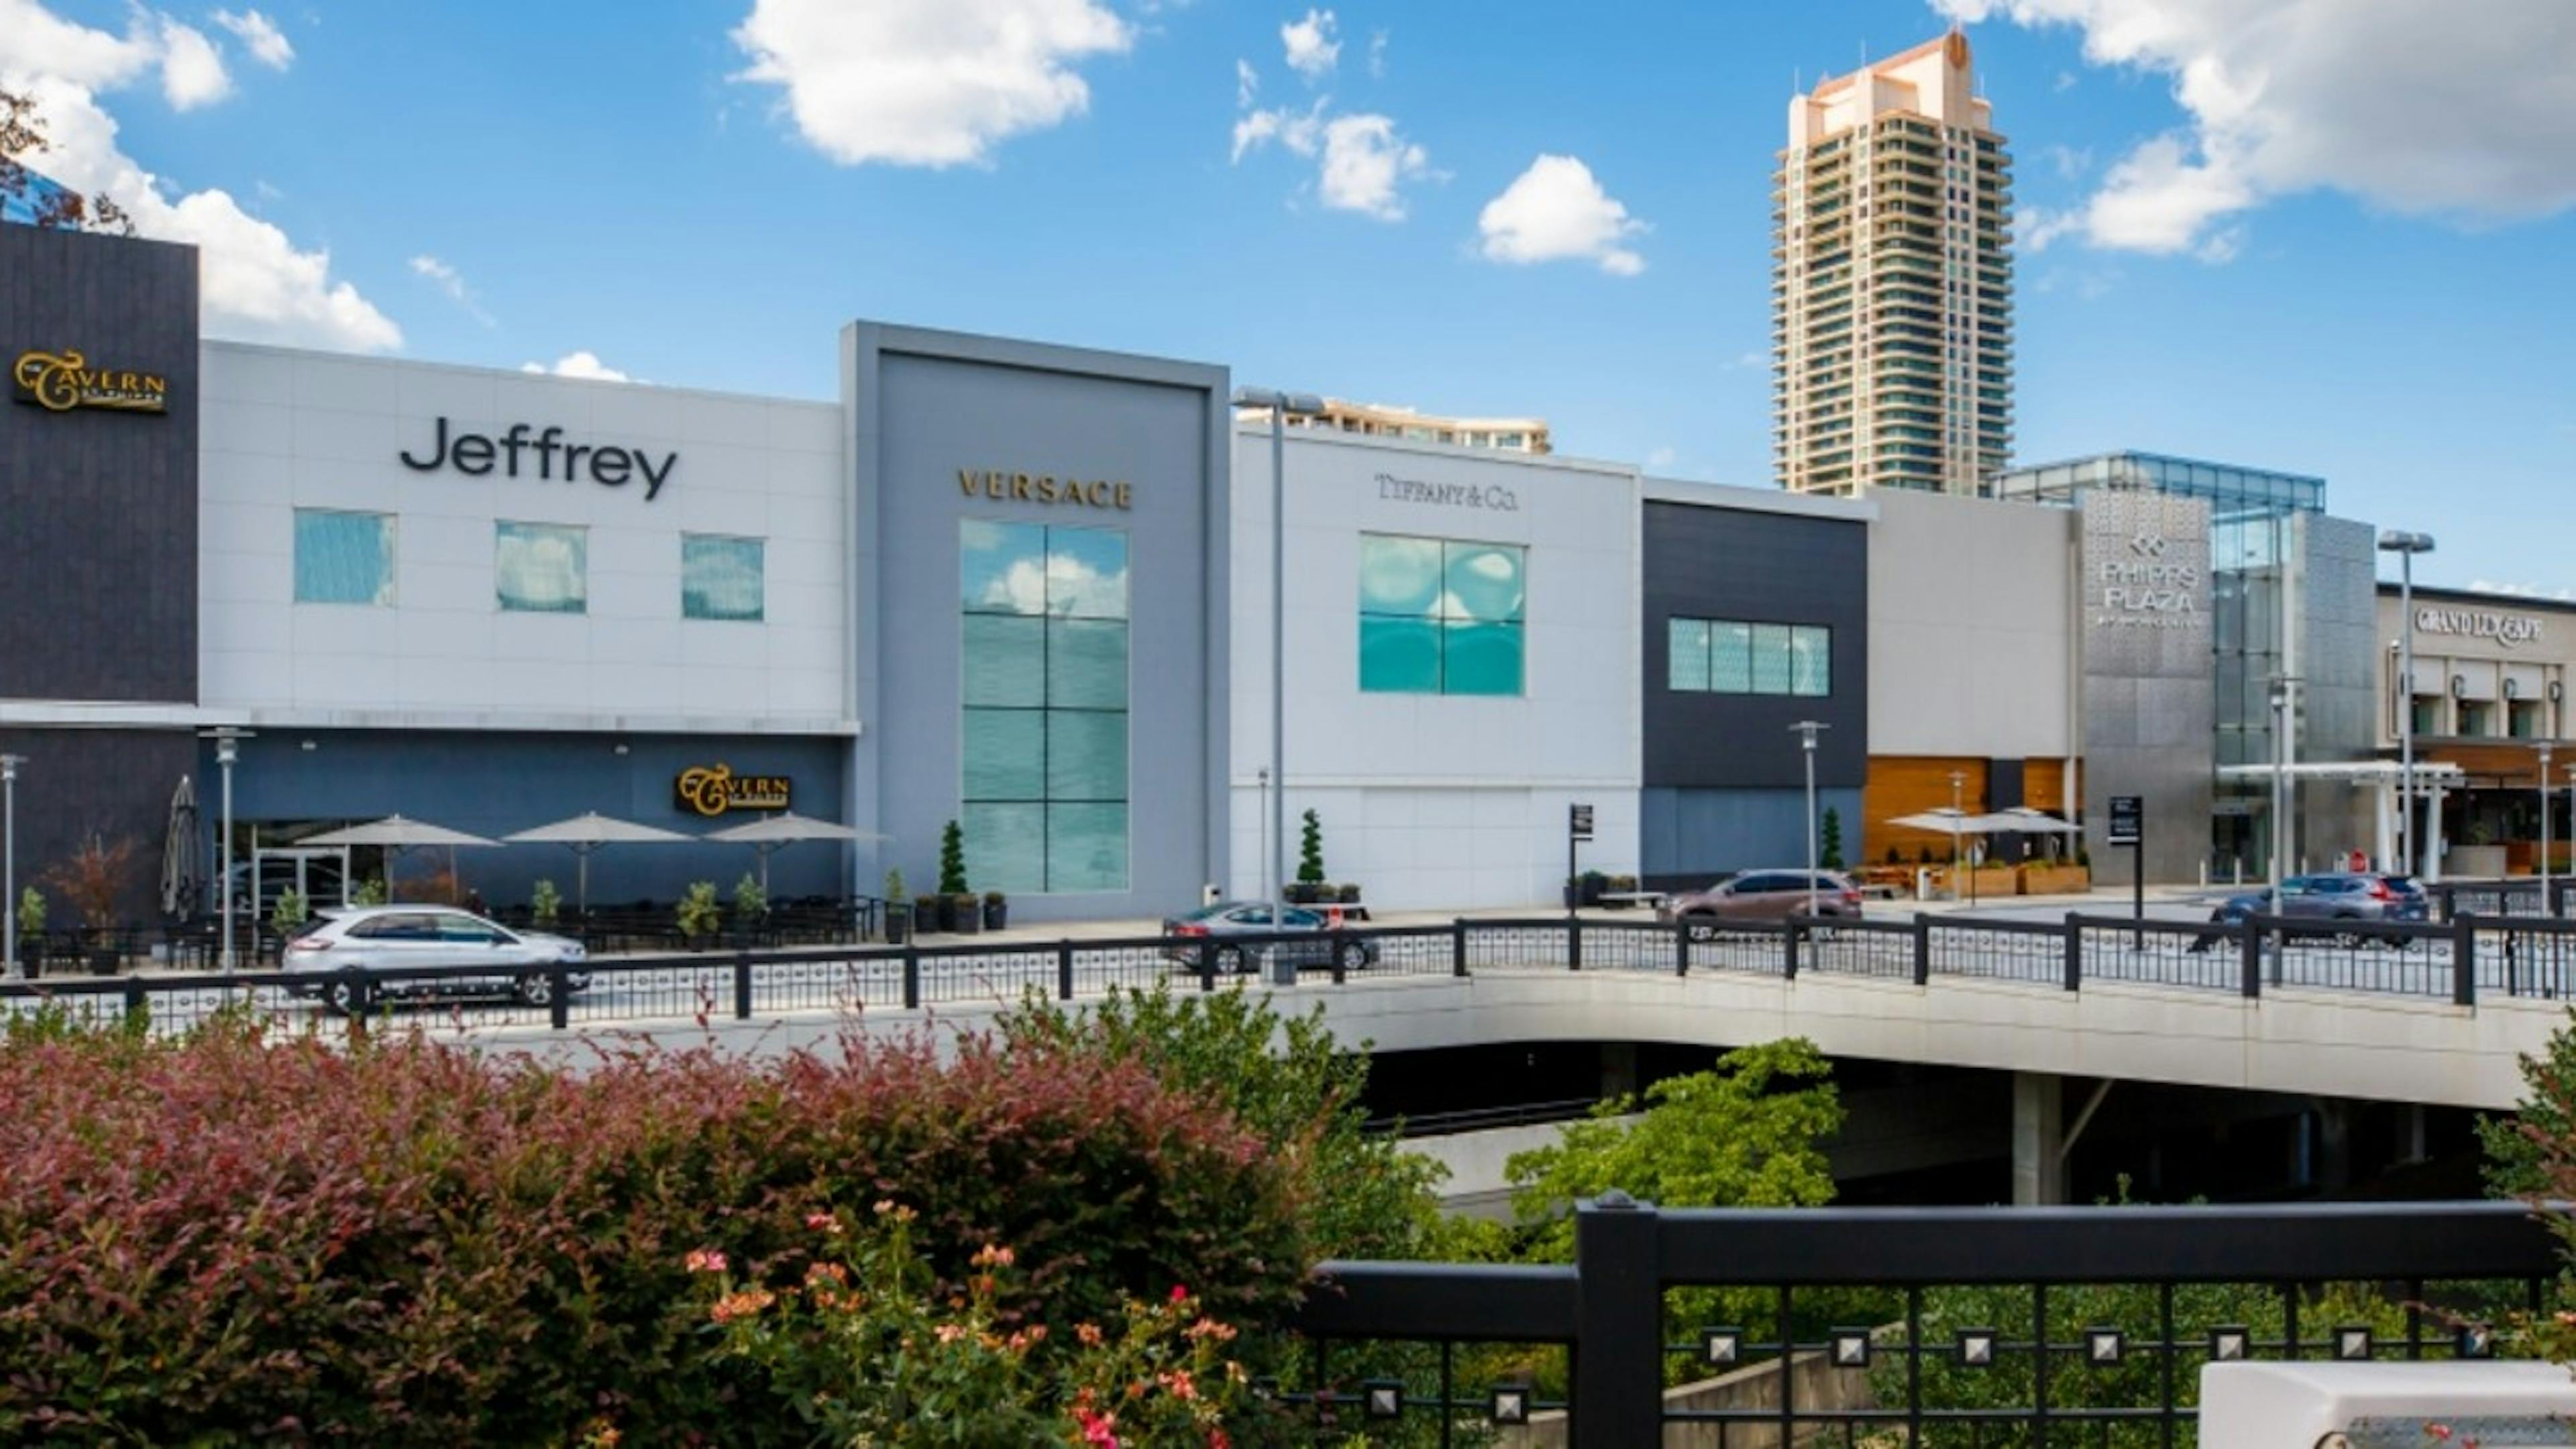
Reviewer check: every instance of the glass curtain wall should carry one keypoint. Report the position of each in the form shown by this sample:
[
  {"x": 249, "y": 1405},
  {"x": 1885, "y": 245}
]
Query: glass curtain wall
[{"x": 1045, "y": 685}]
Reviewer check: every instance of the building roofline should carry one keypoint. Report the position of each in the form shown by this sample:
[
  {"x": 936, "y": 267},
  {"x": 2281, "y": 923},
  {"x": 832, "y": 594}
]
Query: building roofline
[
  {"x": 2440, "y": 594},
  {"x": 522, "y": 374},
  {"x": 2158, "y": 457},
  {"x": 1758, "y": 500},
  {"x": 1252, "y": 427}
]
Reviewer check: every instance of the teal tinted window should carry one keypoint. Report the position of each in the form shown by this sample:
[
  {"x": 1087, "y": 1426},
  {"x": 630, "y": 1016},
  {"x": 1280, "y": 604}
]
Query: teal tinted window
[
  {"x": 541, "y": 568},
  {"x": 1725, "y": 656},
  {"x": 1045, "y": 688},
  {"x": 343, "y": 558},
  {"x": 1686, "y": 654},
  {"x": 721, "y": 578},
  {"x": 1441, "y": 617}
]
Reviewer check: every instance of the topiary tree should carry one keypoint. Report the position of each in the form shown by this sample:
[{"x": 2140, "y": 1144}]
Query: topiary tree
[
  {"x": 1829, "y": 853},
  {"x": 1310, "y": 851},
  {"x": 952, "y": 860},
  {"x": 545, "y": 903}
]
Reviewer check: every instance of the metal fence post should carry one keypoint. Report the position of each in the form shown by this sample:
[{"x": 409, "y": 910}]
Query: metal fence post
[
  {"x": 1064, "y": 970},
  {"x": 1922, "y": 948},
  {"x": 1618, "y": 1324},
  {"x": 1207, "y": 965},
  {"x": 138, "y": 1007},
  {"x": 1574, "y": 943},
  {"x": 911, "y": 975},
  {"x": 2074, "y": 955},
  {"x": 1789, "y": 951},
  {"x": 2251, "y": 944},
  {"x": 742, "y": 986},
  {"x": 2464, "y": 960},
  {"x": 1458, "y": 947},
  {"x": 559, "y": 995},
  {"x": 1681, "y": 948}
]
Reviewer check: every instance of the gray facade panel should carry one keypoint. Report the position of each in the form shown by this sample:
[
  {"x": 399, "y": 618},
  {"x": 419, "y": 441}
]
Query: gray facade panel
[
  {"x": 112, "y": 784},
  {"x": 98, "y": 551},
  {"x": 926, "y": 405},
  {"x": 1698, "y": 835},
  {"x": 1764, "y": 568},
  {"x": 2149, "y": 701}
]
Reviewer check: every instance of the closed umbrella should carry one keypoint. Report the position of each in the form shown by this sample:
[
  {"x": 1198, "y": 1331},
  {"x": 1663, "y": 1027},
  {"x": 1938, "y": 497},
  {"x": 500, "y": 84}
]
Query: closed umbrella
[
  {"x": 397, "y": 833},
  {"x": 586, "y": 833},
  {"x": 179, "y": 845},
  {"x": 771, "y": 832}
]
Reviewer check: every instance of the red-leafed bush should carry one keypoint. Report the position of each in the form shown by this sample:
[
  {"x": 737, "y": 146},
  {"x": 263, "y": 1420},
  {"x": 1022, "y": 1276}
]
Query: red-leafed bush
[{"x": 236, "y": 1237}]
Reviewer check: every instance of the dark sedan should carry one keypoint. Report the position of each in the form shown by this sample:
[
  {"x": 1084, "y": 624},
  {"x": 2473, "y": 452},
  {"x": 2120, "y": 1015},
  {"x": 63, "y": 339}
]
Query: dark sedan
[{"x": 1244, "y": 939}]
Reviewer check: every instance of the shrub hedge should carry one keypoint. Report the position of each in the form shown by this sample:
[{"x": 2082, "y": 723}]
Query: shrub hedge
[{"x": 233, "y": 1237}]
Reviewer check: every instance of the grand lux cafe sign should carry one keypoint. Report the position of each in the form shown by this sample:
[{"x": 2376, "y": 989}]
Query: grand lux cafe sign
[
  {"x": 712, "y": 790},
  {"x": 2506, "y": 629},
  {"x": 58, "y": 382}
]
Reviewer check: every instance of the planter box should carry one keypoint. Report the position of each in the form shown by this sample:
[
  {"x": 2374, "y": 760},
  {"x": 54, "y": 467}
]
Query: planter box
[
  {"x": 2055, "y": 880},
  {"x": 2474, "y": 862}
]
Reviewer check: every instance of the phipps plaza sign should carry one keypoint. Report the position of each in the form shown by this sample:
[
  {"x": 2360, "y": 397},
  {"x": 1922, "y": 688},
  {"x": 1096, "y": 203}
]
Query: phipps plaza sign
[
  {"x": 59, "y": 382},
  {"x": 712, "y": 790},
  {"x": 2147, "y": 584}
]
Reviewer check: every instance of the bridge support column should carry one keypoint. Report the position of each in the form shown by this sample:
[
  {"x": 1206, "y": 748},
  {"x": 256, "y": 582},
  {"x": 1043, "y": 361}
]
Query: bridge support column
[{"x": 2038, "y": 1168}]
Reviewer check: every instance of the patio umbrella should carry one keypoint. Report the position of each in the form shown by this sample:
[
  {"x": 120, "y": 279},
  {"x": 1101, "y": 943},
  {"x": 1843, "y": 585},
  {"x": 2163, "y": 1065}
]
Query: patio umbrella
[
  {"x": 179, "y": 865},
  {"x": 397, "y": 833},
  {"x": 2023, "y": 820},
  {"x": 786, "y": 828},
  {"x": 587, "y": 832}
]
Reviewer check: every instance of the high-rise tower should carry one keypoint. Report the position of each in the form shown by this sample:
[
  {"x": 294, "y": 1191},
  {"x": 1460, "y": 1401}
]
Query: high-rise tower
[{"x": 1891, "y": 289}]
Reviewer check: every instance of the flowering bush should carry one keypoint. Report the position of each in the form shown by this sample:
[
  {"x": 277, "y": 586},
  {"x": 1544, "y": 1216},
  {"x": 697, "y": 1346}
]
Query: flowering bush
[
  {"x": 868, "y": 1352},
  {"x": 404, "y": 1243}
]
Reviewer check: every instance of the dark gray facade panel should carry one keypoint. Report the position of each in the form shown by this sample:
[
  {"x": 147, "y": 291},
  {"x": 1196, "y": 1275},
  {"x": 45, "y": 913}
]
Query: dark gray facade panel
[
  {"x": 112, "y": 784},
  {"x": 1687, "y": 838},
  {"x": 98, "y": 508},
  {"x": 494, "y": 783},
  {"x": 1764, "y": 568}
]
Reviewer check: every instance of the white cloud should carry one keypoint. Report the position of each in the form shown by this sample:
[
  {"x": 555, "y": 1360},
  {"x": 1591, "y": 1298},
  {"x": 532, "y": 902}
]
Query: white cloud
[
  {"x": 192, "y": 69},
  {"x": 1366, "y": 163},
  {"x": 1661, "y": 458},
  {"x": 584, "y": 363},
  {"x": 253, "y": 282},
  {"x": 2070, "y": 163},
  {"x": 2065, "y": 81},
  {"x": 2522, "y": 590},
  {"x": 447, "y": 279},
  {"x": 1299, "y": 131},
  {"x": 260, "y": 36},
  {"x": 1313, "y": 46},
  {"x": 2403, "y": 105},
  {"x": 926, "y": 82},
  {"x": 1377, "y": 54},
  {"x": 1556, "y": 211},
  {"x": 1247, "y": 84}
]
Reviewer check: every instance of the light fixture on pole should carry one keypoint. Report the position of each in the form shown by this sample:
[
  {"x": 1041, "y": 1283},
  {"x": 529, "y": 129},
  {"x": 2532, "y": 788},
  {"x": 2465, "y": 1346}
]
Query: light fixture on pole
[
  {"x": 1279, "y": 405},
  {"x": 9, "y": 863},
  {"x": 2544, "y": 830},
  {"x": 1807, "y": 730},
  {"x": 227, "y": 753},
  {"x": 2406, "y": 546},
  {"x": 2284, "y": 710},
  {"x": 1958, "y": 812}
]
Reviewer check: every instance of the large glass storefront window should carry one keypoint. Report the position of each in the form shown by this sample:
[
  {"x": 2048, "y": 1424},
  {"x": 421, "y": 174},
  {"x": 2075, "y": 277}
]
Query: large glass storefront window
[
  {"x": 541, "y": 568},
  {"x": 1441, "y": 617},
  {"x": 1720, "y": 656},
  {"x": 1045, "y": 688},
  {"x": 721, "y": 578}
]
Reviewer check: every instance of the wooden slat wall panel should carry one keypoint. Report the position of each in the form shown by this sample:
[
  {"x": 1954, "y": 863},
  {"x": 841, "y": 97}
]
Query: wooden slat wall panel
[{"x": 1907, "y": 785}]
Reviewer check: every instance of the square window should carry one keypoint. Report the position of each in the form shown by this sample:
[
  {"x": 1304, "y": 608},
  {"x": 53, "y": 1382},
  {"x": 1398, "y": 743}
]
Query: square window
[
  {"x": 1440, "y": 617},
  {"x": 1005, "y": 662},
  {"x": 1086, "y": 848},
  {"x": 1005, "y": 846},
  {"x": 1399, "y": 656},
  {"x": 344, "y": 558},
  {"x": 1686, "y": 651},
  {"x": 1086, "y": 755},
  {"x": 541, "y": 568},
  {"x": 1480, "y": 658},
  {"x": 1006, "y": 754},
  {"x": 1730, "y": 658},
  {"x": 721, "y": 578},
  {"x": 1771, "y": 659},
  {"x": 1811, "y": 661},
  {"x": 1086, "y": 663}
]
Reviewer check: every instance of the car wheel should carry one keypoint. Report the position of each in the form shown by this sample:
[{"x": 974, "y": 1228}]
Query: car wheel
[
  {"x": 1230, "y": 961},
  {"x": 1354, "y": 956},
  {"x": 534, "y": 989}
]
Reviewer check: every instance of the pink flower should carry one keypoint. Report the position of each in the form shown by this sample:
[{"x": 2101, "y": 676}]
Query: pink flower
[
  {"x": 1098, "y": 1429},
  {"x": 993, "y": 1255},
  {"x": 824, "y": 1223},
  {"x": 705, "y": 1260},
  {"x": 1177, "y": 1383},
  {"x": 1180, "y": 1294},
  {"x": 950, "y": 1332}
]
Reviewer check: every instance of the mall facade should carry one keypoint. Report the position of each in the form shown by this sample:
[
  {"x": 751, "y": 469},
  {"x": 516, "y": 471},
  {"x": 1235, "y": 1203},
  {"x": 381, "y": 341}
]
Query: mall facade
[{"x": 1027, "y": 588}]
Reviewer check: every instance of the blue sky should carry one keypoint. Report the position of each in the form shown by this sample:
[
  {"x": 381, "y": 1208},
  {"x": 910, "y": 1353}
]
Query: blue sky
[{"x": 2245, "y": 270}]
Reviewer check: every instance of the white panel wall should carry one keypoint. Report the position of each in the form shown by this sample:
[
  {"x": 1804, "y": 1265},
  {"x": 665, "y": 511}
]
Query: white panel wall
[
  {"x": 286, "y": 429},
  {"x": 1971, "y": 605},
  {"x": 1435, "y": 802}
]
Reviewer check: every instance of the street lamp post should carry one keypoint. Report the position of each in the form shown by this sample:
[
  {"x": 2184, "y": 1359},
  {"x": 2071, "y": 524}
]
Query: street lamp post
[
  {"x": 9, "y": 863},
  {"x": 2284, "y": 710},
  {"x": 1958, "y": 812},
  {"x": 1279, "y": 405},
  {"x": 227, "y": 753},
  {"x": 2406, "y": 546},
  {"x": 2544, "y": 830},
  {"x": 1807, "y": 730}
]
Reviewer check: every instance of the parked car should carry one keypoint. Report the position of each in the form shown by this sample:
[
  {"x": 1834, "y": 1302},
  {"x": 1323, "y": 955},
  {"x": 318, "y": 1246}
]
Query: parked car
[
  {"x": 1184, "y": 935},
  {"x": 397, "y": 938},
  {"x": 1764, "y": 895},
  {"x": 2338, "y": 896}
]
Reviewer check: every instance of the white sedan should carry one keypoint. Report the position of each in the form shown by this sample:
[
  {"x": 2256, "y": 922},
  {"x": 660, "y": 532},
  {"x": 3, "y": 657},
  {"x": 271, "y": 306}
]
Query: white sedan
[{"x": 399, "y": 938}]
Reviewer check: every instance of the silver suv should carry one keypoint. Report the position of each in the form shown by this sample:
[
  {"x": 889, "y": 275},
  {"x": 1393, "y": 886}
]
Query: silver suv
[{"x": 397, "y": 938}]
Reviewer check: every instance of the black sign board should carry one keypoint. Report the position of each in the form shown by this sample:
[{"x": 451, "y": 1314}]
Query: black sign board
[
  {"x": 1579, "y": 821},
  {"x": 2128, "y": 819}
]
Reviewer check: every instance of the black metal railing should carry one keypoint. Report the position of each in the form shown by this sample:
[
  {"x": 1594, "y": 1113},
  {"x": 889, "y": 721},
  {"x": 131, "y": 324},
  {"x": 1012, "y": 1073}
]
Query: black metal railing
[
  {"x": 1983, "y": 1325},
  {"x": 2458, "y": 962}
]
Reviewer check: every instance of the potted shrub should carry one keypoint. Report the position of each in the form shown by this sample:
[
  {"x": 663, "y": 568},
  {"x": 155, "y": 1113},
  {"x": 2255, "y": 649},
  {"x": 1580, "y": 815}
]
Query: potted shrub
[
  {"x": 952, "y": 876},
  {"x": 1620, "y": 885},
  {"x": 545, "y": 906},
  {"x": 1585, "y": 889},
  {"x": 94, "y": 880},
  {"x": 31, "y": 930},
  {"x": 698, "y": 915},
  {"x": 290, "y": 912},
  {"x": 1829, "y": 841},
  {"x": 898, "y": 910},
  {"x": 750, "y": 908},
  {"x": 997, "y": 911},
  {"x": 370, "y": 892},
  {"x": 1309, "y": 888},
  {"x": 925, "y": 913},
  {"x": 1350, "y": 893}
]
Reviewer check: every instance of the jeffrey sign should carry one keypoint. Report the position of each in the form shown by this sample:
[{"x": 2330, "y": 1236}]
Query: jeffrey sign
[{"x": 479, "y": 453}]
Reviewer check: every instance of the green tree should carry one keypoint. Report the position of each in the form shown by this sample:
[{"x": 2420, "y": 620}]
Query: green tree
[
  {"x": 1829, "y": 853},
  {"x": 952, "y": 861},
  {"x": 2523, "y": 1148},
  {"x": 1310, "y": 851}
]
